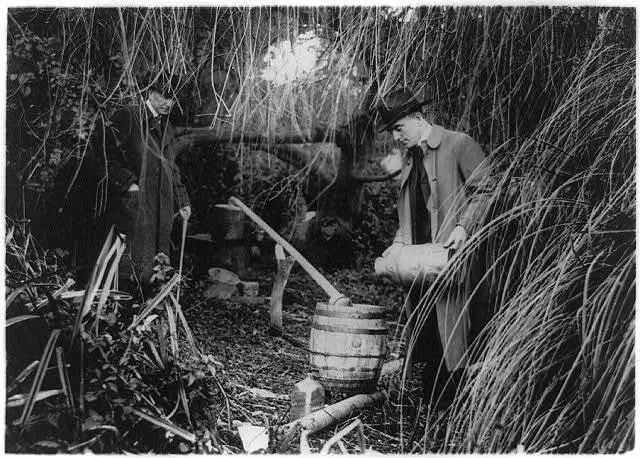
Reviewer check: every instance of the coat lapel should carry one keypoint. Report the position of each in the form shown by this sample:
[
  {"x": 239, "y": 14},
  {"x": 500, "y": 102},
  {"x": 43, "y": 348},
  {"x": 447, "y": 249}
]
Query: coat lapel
[
  {"x": 406, "y": 169},
  {"x": 432, "y": 143},
  {"x": 435, "y": 137},
  {"x": 430, "y": 147},
  {"x": 161, "y": 133}
]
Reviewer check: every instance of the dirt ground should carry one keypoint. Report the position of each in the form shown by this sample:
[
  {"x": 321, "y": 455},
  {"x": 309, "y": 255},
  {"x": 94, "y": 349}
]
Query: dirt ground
[{"x": 237, "y": 333}]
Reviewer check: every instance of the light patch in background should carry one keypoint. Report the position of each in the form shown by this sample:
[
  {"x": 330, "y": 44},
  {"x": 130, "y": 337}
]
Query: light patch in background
[
  {"x": 400, "y": 13},
  {"x": 392, "y": 162},
  {"x": 287, "y": 63}
]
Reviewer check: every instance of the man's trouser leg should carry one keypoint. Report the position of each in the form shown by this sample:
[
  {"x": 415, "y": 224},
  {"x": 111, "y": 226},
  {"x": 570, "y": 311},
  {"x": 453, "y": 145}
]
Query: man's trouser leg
[
  {"x": 427, "y": 347},
  {"x": 123, "y": 217},
  {"x": 429, "y": 350},
  {"x": 453, "y": 325},
  {"x": 441, "y": 342}
]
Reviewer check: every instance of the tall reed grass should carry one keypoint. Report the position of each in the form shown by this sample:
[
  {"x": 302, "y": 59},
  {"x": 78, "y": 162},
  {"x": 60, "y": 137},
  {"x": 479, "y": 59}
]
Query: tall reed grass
[{"x": 554, "y": 264}]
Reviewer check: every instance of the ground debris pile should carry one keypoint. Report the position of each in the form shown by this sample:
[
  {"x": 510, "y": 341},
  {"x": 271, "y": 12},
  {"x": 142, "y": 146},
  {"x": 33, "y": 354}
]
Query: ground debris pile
[
  {"x": 103, "y": 373},
  {"x": 261, "y": 366}
]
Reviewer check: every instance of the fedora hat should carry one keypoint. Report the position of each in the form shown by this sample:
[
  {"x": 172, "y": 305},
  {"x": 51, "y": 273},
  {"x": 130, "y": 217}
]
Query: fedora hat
[
  {"x": 167, "y": 87},
  {"x": 394, "y": 106}
]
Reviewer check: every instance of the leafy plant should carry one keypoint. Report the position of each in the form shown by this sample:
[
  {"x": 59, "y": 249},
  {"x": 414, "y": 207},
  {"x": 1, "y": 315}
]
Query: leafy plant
[{"x": 120, "y": 365}]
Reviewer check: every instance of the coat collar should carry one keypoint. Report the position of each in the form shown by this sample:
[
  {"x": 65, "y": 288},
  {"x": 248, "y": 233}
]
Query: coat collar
[
  {"x": 154, "y": 113},
  {"x": 434, "y": 138},
  {"x": 154, "y": 120},
  {"x": 430, "y": 141}
]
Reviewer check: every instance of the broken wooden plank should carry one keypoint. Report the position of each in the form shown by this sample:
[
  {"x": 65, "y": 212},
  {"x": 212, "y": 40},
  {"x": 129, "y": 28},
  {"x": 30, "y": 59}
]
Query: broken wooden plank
[{"x": 248, "y": 288}]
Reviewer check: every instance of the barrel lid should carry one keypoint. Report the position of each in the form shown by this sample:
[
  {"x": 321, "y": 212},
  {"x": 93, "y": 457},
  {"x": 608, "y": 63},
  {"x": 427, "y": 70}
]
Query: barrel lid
[
  {"x": 228, "y": 207},
  {"x": 360, "y": 308}
]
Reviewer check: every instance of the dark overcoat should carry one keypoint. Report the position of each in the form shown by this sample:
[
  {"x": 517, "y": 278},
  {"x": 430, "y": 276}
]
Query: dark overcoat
[{"x": 140, "y": 149}]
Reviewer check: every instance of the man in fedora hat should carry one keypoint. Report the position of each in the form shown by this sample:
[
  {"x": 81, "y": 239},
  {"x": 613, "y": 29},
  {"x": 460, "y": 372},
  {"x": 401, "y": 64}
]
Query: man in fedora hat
[
  {"x": 145, "y": 189},
  {"x": 433, "y": 209}
]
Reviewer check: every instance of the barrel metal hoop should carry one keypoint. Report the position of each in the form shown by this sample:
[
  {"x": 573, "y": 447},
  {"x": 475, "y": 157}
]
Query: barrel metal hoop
[
  {"x": 351, "y": 314},
  {"x": 359, "y": 388},
  {"x": 342, "y": 330},
  {"x": 362, "y": 386},
  {"x": 359, "y": 370},
  {"x": 346, "y": 355}
]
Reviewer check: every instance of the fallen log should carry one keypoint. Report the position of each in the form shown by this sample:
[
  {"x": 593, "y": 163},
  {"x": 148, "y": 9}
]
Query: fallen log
[{"x": 328, "y": 415}]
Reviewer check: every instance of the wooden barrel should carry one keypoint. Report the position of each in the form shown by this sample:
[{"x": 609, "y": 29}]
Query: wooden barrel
[
  {"x": 228, "y": 233},
  {"x": 347, "y": 346},
  {"x": 229, "y": 222}
]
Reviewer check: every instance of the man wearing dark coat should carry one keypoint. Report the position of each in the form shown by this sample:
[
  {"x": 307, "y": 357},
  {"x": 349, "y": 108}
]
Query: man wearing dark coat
[
  {"x": 145, "y": 189},
  {"x": 439, "y": 169}
]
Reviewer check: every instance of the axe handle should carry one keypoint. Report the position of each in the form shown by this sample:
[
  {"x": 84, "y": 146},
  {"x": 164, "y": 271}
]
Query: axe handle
[{"x": 328, "y": 288}]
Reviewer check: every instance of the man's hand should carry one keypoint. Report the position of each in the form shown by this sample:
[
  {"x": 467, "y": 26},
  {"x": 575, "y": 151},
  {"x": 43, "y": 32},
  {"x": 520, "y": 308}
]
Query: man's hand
[
  {"x": 457, "y": 238},
  {"x": 394, "y": 246},
  {"x": 133, "y": 187},
  {"x": 185, "y": 212}
]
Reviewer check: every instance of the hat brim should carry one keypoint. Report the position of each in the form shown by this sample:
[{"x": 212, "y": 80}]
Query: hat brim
[{"x": 408, "y": 109}]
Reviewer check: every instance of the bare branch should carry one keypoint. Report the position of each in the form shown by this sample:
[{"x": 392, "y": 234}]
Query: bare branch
[
  {"x": 187, "y": 137},
  {"x": 377, "y": 178}
]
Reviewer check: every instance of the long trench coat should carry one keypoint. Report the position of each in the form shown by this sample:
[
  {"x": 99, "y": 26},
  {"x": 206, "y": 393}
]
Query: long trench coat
[
  {"x": 139, "y": 149},
  {"x": 451, "y": 159}
]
